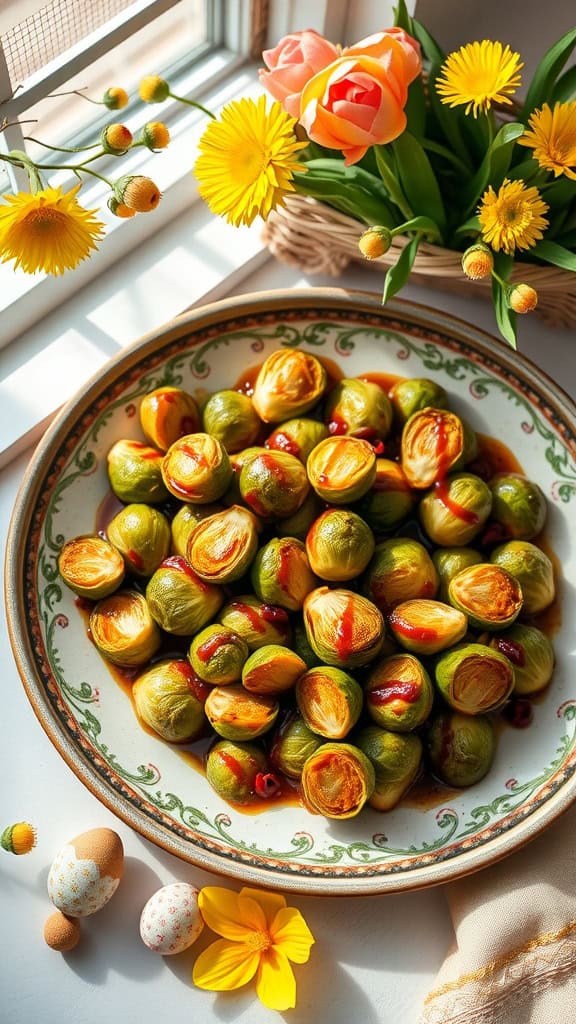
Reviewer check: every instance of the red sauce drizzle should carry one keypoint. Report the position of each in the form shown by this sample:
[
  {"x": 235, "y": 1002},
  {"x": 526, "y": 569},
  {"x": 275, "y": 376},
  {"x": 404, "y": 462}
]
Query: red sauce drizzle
[
  {"x": 279, "y": 441},
  {"x": 252, "y": 614},
  {"x": 181, "y": 565},
  {"x": 408, "y": 629},
  {"x": 267, "y": 784},
  {"x": 209, "y": 648},
  {"x": 135, "y": 558},
  {"x": 145, "y": 452},
  {"x": 283, "y": 572},
  {"x": 270, "y": 613},
  {"x": 396, "y": 689},
  {"x": 337, "y": 426},
  {"x": 513, "y": 651},
  {"x": 345, "y": 632},
  {"x": 441, "y": 445},
  {"x": 232, "y": 765},
  {"x": 467, "y": 515}
]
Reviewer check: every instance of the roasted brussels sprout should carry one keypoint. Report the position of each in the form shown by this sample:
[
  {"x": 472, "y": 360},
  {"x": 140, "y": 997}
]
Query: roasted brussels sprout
[
  {"x": 185, "y": 522},
  {"x": 412, "y": 394},
  {"x": 531, "y": 654},
  {"x": 170, "y": 700},
  {"x": 236, "y": 714},
  {"x": 426, "y": 627},
  {"x": 533, "y": 571},
  {"x": 359, "y": 408},
  {"x": 91, "y": 567},
  {"x": 474, "y": 679},
  {"x": 197, "y": 468},
  {"x": 455, "y": 510},
  {"x": 293, "y": 744},
  {"x": 518, "y": 504},
  {"x": 289, "y": 383},
  {"x": 123, "y": 630},
  {"x": 390, "y": 499},
  {"x": 179, "y": 600},
  {"x": 339, "y": 545},
  {"x": 217, "y": 655},
  {"x": 257, "y": 622},
  {"x": 342, "y": 469},
  {"x": 273, "y": 484},
  {"x": 232, "y": 770},
  {"x": 434, "y": 443},
  {"x": 297, "y": 437},
  {"x": 342, "y": 627},
  {"x": 298, "y": 524},
  {"x": 301, "y": 645},
  {"x": 399, "y": 693},
  {"x": 281, "y": 573},
  {"x": 489, "y": 595},
  {"x": 449, "y": 561},
  {"x": 396, "y": 760},
  {"x": 222, "y": 547},
  {"x": 400, "y": 570},
  {"x": 329, "y": 700},
  {"x": 230, "y": 417},
  {"x": 337, "y": 780},
  {"x": 135, "y": 472},
  {"x": 166, "y": 414},
  {"x": 461, "y": 748},
  {"x": 272, "y": 669},
  {"x": 142, "y": 536}
]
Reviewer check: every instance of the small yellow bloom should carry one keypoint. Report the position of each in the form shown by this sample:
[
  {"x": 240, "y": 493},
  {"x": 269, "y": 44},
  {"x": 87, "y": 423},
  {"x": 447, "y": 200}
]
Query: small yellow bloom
[
  {"x": 47, "y": 231},
  {"x": 19, "y": 838},
  {"x": 137, "y": 192},
  {"x": 155, "y": 135},
  {"x": 375, "y": 242},
  {"x": 153, "y": 89},
  {"x": 522, "y": 298},
  {"x": 116, "y": 139},
  {"x": 115, "y": 98},
  {"x": 477, "y": 261},
  {"x": 512, "y": 218},
  {"x": 478, "y": 75},
  {"x": 552, "y": 136},
  {"x": 260, "y": 935}
]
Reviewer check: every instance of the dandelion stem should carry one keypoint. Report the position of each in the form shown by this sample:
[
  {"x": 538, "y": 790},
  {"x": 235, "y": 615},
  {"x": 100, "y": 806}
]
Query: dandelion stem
[
  {"x": 61, "y": 149},
  {"x": 193, "y": 103}
]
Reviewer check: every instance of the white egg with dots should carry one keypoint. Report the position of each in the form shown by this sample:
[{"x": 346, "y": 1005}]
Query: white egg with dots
[{"x": 171, "y": 921}]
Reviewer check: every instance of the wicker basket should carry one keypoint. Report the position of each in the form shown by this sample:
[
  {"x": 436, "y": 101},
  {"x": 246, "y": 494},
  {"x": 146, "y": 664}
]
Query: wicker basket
[{"x": 319, "y": 240}]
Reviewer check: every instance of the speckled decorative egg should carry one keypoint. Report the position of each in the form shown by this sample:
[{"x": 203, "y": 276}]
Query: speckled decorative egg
[
  {"x": 86, "y": 872},
  {"x": 171, "y": 920}
]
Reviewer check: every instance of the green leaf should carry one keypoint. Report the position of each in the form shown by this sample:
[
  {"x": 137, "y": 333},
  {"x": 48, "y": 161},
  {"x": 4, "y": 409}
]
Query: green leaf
[
  {"x": 469, "y": 227},
  {"x": 415, "y": 108},
  {"x": 560, "y": 192},
  {"x": 397, "y": 276},
  {"x": 357, "y": 202},
  {"x": 524, "y": 170},
  {"x": 494, "y": 166},
  {"x": 565, "y": 88},
  {"x": 551, "y": 252},
  {"x": 390, "y": 181},
  {"x": 418, "y": 179},
  {"x": 425, "y": 225},
  {"x": 546, "y": 73},
  {"x": 429, "y": 45},
  {"x": 505, "y": 317},
  {"x": 402, "y": 19},
  {"x": 450, "y": 120}
]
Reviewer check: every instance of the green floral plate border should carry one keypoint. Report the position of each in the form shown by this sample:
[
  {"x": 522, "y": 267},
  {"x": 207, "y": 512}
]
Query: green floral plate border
[{"x": 493, "y": 386}]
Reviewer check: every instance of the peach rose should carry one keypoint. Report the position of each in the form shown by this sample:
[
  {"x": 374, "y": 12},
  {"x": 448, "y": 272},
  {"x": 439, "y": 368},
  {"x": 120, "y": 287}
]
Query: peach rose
[
  {"x": 399, "y": 51},
  {"x": 353, "y": 104},
  {"x": 292, "y": 63}
]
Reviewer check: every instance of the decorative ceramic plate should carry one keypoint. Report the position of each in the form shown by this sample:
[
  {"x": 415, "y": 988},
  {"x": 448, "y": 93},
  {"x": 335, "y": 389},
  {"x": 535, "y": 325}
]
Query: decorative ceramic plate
[{"x": 150, "y": 784}]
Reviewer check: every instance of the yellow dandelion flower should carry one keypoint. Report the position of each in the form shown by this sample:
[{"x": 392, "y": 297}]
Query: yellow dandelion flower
[
  {"x": 522, "y": 298},
  {"x": 478, "y": 75},
  {"x": 47, "y": 231},
  {"x": 19, "y": 838},
  {"x": 260, "y": 936},
  {"x": 247, "y": 160},
  {"x": 552, "y": 136},
  {"x": 512, "y": 218}
]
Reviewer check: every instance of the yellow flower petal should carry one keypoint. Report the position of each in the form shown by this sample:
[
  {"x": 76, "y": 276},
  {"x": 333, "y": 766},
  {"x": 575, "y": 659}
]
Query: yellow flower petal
[
  {"x": 271, "y": 902},
  {"x": 512, "y": 218},
  {"x": 275, "y": 982},
  {"x": 225, "y": 966},
  {"x": 290, "y": 932},
  {"x": 230, "y": 914},
  {"x": 47, "y": 231},
  {"x": 552, "y": 136},
  {"x": 478, "y": 75}
]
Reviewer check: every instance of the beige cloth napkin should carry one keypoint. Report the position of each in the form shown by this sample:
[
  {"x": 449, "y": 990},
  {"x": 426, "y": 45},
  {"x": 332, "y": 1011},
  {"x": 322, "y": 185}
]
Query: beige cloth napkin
[{"x": 514, "y": 956}]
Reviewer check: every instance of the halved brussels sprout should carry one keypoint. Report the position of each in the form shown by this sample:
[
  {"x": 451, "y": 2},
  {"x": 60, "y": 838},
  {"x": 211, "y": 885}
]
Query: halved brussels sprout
[
  {"x": 450, "y": 561},
  {"x": 396, "y": 760},
  {"x": 272, "y": 669},
  {"x": 179, "y": 600},
  {"x": 185, "y": 522},
  {"x": 170, "y": 700},
  {"x": 217, "y": 655},
  {"x": 399, "y": 693},
  {"x": 273, "y": 484},
  {"x": 337, "y": 780},
  {"x": 518, "y": 504},
  {"x": 123, "y": 629},
  {"x": 531, "y": 654},
  {"x": 293, "y": 745},
  {"x": 166, "y": 414},
  {"x": 135, "y": 472},
  {"x": 289, "y": 383},
  {"x": 196, "y": 468},
  {"x": 435, "y": 442},
  {"x": 230, "y": 417},
  {"x": 342, "y": 469},
  {"x": 359, "y": 408},
  {"x": 329, "y": 700},
  {"x": 297, "y": 437},
  {"x": 339, "y": 545},
  {"x": 342, "y": 627},
  {"x": 455, "y": 510},
  {"x": 461, "y": 748},
  {"x": 142, "y": 536},
  {"x": 298, "y": 524},
  {"x": 411, "y": 394},
  {"x": 281, "y": 573},
  {"x": 489, "y": 595},
  {"x": 474, "y": 679},
  {"x": 222, "y": 547},
  {"x": 91, "y": 567},
  {"x": 232, "y": 770},
  {"x": 426, "y": 627},
  {"x": 390, "y": 499},
  {"x": 533, "y": 571},
  {"x": 400, "y": 570},
  {"x": 256, "y": 621},
  {"x": 236, "y": 714}
]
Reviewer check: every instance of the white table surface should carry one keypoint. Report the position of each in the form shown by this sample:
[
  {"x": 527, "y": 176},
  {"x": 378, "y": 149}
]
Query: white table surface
[{"x": 374, "y": 958}]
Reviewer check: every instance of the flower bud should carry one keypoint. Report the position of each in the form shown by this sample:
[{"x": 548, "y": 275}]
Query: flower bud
[
  {"x": 374, "y": 242},
  {"x": 19, "y": 838},
  {"x": 522, "y": 298},
  {"x": 119, "y": 209},
  {"x": 137, "y": 192},
  {"x": 153, "y": 89},
  {"x": 477, "y": 261},
  {"x": 155, "y": 135},
  {"x": 115, "y": 98},
  {"x": 116, "y": 139}
]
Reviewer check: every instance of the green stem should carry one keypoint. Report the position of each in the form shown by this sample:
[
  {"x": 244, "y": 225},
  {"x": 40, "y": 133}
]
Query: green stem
[
  {"x": 60, "y": 149},
  {"x": 501, "y": 282},
  {"x": 76, "y": 92},
  {"x": 192, "y": 103},
  {"x": 77, "y": 169},
  {"x": 436, "y": 147}
]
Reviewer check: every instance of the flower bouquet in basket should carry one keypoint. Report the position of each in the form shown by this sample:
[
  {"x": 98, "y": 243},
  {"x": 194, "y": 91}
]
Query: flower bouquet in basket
[{"x": 420, "y": 161}]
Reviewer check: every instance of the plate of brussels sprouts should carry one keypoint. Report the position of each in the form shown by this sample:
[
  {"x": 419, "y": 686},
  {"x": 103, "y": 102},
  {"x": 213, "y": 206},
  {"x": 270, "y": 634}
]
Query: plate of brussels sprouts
[{"x": 290, "y": 587}]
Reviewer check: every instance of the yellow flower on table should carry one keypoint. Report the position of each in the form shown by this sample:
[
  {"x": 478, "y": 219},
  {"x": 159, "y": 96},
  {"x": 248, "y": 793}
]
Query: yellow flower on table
[
  {"x": 552, "y": 136},
  {"x": 479, "y": 75},
  {"x": 47, "y": 231},
  {"x": 513, "y": 217},
  {"x": 260, "y": 936}
]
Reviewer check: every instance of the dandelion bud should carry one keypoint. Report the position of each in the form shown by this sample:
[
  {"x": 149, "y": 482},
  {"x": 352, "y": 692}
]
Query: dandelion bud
[
  {"x": 116, "y": 139},
  {"x": 522, "y": 298},
  {"x": 375, "y": 242},
  {"x": 153, "y": 89},
  {"x": 477, "y": 261},
  {"x": 137, "y": 192},
  {"x": 115, "y": 98},
  {"x": 19, "y": 838},
  {"x": 119, "y": 209},
  {"x": 155, "y": 135}
]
